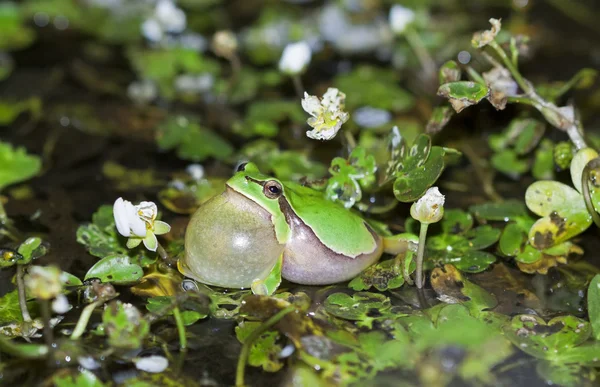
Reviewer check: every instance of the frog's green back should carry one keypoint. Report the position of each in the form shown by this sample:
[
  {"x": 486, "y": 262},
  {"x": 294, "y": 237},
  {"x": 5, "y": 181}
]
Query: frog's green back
[{"x": 338, "y": 228}]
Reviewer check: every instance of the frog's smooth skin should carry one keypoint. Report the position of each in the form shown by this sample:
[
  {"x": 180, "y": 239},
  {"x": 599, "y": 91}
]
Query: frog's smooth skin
[{"x": 236, "y": 238}]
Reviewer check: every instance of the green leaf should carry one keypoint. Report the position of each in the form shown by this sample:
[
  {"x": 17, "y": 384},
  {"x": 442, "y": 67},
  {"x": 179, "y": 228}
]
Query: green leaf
[
  {"x": 116, "y": 269},
  {"x": 449, "y": 72},
  {"x": 411, "y": 184},
  {"x": 512, "y": 240},
  {"x": 558, "y": 227},
  {"x": 125, "y": 326},
  {"x": 160, "y": 303},
  {"x": 362, "y": 306},
  {"x": 263, "y": 118},
  {"x": 31, "y": 249},
  {"x": 23, "y": 350},
  {"x": 593, "y": 302},
  {"x": 83, "y": 378},
  {"x": 383, "y": 91},
  {"x": 439, "y": 119},
  {"x": 549, "y": 341},
  {"x": 192, "y": 141},
  {"x": 543, "y": 163},
  {"x": 456, "y": 221},
  {"x": 349, "y": 176},
  {"x": 265, "y": 350},
  {"x": 568, "y": 375},
  {"x": 16, "y": 165},
  {"x": 507, "y": 162},
  {"x": 504, "y": 211},
  {"x": 383, "y": 276},
  {"x": 15, "y": 33},
  {"x": 463, "y": 94},
  {"x": 10, "y": 310},
  {"x": 473, "y": 261}
]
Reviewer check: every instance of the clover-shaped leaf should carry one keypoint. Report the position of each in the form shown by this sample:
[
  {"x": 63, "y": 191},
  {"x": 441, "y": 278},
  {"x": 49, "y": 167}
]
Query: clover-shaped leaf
[
  {"x": 559, "y": 340},
  {"x": 124, "y": 325},
  {"x": 460, "y": 244},
  {"x": 350, "y": 176},
  {"x": 411, "y": 183},
  {"x": 265, "y": 350},
  {"x": 160, "y": 303},
  {"x": 364, "y": 307},
  {"x": 382, "y": 276},
  {"x": 16, "y": 165}
]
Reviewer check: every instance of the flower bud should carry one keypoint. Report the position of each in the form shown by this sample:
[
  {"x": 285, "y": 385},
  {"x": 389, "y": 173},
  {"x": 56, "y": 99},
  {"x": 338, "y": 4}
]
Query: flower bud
[{"x": 429, "y": 208}]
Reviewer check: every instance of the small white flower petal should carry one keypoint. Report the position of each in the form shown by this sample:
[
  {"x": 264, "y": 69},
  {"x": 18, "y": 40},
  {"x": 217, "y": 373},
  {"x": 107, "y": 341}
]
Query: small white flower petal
[
  {"x": 152, "y": 30},
  {"x": 311, "y": 104},
  {"x": 121, "y": 217},
  {"x": 147, "y": 211},
  {"x": 295, "y": 58},
  {"x": 152, "y": 364},
  {"x": 60, "y": 305}
]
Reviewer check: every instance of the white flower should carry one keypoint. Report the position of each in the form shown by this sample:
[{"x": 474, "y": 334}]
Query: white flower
[
  {"x": 152, "y": 364},
  {"x": 167, "y": 18},
  {"x": 400, "y": 18},
  {"x": 171, "y": 18},
  {"x": 328, "y": 114},
  {"x": 139, "y": 223},
  {"x": 429, "y": 208},
  {"x": 295, "y": 58},
  {"x": 142, "y": 92},
  {"x": 60, "y": 305},
  {"x": 196, "y": 171},
  {"x": 127, "y": 220}
]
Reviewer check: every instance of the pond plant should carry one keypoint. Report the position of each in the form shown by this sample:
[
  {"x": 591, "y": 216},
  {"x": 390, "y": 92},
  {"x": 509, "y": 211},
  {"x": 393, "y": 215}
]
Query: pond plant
[{"x": 319, "y": 195}]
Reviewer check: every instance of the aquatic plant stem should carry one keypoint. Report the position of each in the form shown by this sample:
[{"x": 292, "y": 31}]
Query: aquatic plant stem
[
  {"x": 162, "y": 253},
  {"x": 22, "y": 295},
  {"x": 84, "y": 318},
  {"x": 243, "y": 359},
  {"x": 180, "y": 328},
  {"x": 298, "y": 85},
  {"x": 420, "y": 253},
  {"x": 48, "y": 333},
  {"x": 417, "y": 45},
  {"x": 523, "y": 84}
]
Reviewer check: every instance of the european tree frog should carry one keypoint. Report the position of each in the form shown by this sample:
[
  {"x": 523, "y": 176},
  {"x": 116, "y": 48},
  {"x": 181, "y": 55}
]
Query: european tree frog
[{"x": 261, "y": 229}]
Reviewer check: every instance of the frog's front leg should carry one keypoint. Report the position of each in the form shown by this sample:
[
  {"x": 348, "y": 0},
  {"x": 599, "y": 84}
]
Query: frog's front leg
[
  {"x": 403, "y": 246},
  {"x": 267, "y": 286},
  {"x": 400, "y": 243}
]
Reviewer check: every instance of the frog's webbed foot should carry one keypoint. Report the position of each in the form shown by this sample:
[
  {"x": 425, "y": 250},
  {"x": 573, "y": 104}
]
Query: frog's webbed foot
[{"x": 269, "y": 285}]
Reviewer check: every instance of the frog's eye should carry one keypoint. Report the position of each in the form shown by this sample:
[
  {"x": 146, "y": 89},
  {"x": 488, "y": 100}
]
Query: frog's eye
[
  {"x": 272, "y": 189},
  {"x": 241, "y": 167}
]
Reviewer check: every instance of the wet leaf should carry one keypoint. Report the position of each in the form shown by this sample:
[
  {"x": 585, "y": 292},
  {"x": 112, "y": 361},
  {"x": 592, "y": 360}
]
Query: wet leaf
[
  {"x": 593, "y": 301},
  {"x": 463, "y": 94},
  {"x": 362, "y": 306},
  {"x": 504, "y": 211},
  {"x": 548, "y": 341},
  {"x": 568, "y": 375},
  {"x": 79, "y": 378},
  {"x": 10, "y": 310},
  {"x": 265, "y": 350},
  {"x": 158, "y": 304},
  {"x": 124, "y": 325},
  {"x": 31, "y": 249},
  {"x": 350, "y": 176},
  {"x": 16, "y": 165},
  {"x": 116, "y": 269},
  {"x": 410, "y": 184},
  {"x": 456, "y": 221},
  {"x": 558, "y": 227},
  {"x": 383, "y": 276}
]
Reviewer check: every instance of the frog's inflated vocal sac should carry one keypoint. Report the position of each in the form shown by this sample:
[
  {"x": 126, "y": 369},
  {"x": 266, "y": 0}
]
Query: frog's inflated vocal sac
[{"x": 236, "y": 239}]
